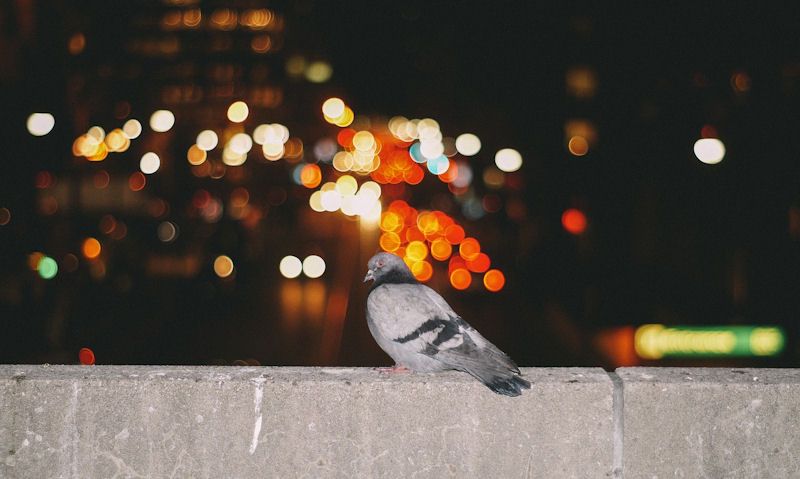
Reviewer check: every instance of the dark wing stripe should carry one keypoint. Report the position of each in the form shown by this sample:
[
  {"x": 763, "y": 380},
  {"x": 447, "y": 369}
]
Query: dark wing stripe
[{"x": 447, "y": 327}]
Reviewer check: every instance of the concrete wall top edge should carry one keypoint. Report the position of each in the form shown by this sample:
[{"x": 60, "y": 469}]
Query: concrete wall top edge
[
  {"x": 17, "y": 372},
  {"x": 710, "y": 375}
]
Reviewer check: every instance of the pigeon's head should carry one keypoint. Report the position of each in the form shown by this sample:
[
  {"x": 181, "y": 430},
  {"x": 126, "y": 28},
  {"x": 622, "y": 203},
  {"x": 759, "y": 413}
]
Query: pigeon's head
[{"x": 384, "y": 266}]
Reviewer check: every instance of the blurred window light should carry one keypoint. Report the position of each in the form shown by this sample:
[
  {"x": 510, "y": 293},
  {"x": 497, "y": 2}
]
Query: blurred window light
[
  {"x": 313, "y": 266},
  {"x": 162, "y": 120},
  {"x": 709, "y": 150},
  {"x": 656, "y": 341},
  {"x": 468, "y": 144},
  {"x": 508, "y": 160},
  {"x": 40, "y": 124}
]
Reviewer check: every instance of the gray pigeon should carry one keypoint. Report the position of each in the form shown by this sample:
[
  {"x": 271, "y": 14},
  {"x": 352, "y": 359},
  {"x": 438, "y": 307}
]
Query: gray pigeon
[{"x": 421, "y": 332}]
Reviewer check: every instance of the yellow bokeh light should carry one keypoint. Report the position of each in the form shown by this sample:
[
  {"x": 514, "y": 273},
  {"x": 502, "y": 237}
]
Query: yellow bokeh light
[
  {"x": 315, "y": 202},
  {"x": 97, "y": 133},
  {"x": 372, "y": 188},
  {"x": 508, "y": 160},
  {"x": 346, "y": 185},
  {"x": 343, "y": 161},
  {"x": 223, "y": 266},
  {"x": 346, "y": 119},
  {"x": 416, "y": 251},
  {"x": 40, "y": 124},
  {"x": 333, "y": 108},
  {"x": 318, "y": 72},
  {"x": 364, "y": 141},
  {"x": 162, "y": 120},
  {"x": 238, "y": 112}
]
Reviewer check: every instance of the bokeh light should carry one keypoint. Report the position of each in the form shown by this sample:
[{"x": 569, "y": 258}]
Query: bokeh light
[
  {"x": 290, "y": 267},
  {"x": 460, "y": 278},
  {"x": 5, "y": 216},
  {"x": 132, "y": 129},
  {"x": 91, "y": 248},
  {"x": 469, "y": 249},
  {"x": 494, "y": 280},
  {"x": 47, "y": 267},
  {"x": 313, "y": 266},
  {"x": 422, "y": 270},
  {"x": 468, "y": 144},
  {"x": 508, "y": 160},
  {"x": 223, "y": 266},
  {"x": 709, "y": 150},
  {"x": 238, "y": 111},
  {"x": 333, "y": 108},
  {"x": 441, "y": 249},
  {"x": 207, "y": 140},
  {"x": 416, "y": 251},
  {"x": 578, "y": 146},
  {"x": 574, "y": 221},
  {"x": 162, "y": 120},
  {"x": 310, "y": 176},
  {"x": 86, "y": 356},
  {"x": 149, "y": 163},
  {"x": 40, "y": 124}
]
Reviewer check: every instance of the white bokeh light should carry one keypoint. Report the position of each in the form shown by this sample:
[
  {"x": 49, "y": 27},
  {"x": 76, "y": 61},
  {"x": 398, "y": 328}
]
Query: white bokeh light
[
  {"x": 709, "y": 150},
  {"x": 290, "y": 267}
]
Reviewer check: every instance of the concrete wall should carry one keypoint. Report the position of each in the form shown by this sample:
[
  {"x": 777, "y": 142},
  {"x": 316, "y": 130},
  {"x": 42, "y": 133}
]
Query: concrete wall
[{"x": 216, "y": 422}]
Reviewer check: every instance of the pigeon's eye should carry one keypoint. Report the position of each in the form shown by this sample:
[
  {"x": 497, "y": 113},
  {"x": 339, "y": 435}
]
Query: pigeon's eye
[{"x": 379, "y": 264}]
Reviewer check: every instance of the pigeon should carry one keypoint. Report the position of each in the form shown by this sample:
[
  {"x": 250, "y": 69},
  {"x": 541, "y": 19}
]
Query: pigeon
[{"x": 414, "y": 325}]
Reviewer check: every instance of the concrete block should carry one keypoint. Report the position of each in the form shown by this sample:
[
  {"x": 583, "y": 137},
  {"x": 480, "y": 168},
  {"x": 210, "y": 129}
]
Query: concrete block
[
  {"x": 232, "y": 422},
  {"x": 711, "y": 423}
]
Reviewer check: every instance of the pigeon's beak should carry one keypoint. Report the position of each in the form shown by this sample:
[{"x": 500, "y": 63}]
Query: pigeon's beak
[{"x": 369, "y": 276}]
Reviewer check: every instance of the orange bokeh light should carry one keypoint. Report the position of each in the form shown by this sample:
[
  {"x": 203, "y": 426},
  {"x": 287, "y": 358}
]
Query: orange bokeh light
[
  {"x": 416, "y": 251},
  {"x": 441, "y": 249},
  {"x": 422, "y": 270},
  {"x": 469, "y": 249},
  {"x": 494, "y": 280},
  {"x": 460, "y": 278},
  {"x": 578, "y": 146},
  {"x": 480, "y": 264},
  {"x": 414, "y": 234},
  {"x": 454, "y": 234},
  {"x": 574, "y": 221},
  {"x": 91, "y": 248},
  {"x": 389, "y": 241},
  {"x": 345, "y": 137},
  {"x": 137, "y": 181},
  {"x": 311, "y": 176}
]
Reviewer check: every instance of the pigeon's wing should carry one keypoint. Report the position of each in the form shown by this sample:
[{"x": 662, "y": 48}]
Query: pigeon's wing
[{"x": 433, "y": 329}]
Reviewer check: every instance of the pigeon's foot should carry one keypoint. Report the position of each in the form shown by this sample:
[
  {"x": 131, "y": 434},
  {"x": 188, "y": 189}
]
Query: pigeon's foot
[{"x": 393, "y": 370}]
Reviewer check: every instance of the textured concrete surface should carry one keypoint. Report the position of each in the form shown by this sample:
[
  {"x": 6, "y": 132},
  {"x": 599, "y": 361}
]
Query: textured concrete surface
[
  {"x": 215, "y": 422},
  {"x": 711, "y": 423}
]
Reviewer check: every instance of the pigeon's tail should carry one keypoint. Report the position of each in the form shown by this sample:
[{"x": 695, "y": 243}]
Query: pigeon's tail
[{"x": 506, "y": 383}]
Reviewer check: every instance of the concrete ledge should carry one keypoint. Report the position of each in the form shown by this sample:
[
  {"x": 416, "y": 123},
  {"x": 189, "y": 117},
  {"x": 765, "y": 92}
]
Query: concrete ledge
[
  {"x": 214, "y": 422},
  {"x": 711, "y": 423}
]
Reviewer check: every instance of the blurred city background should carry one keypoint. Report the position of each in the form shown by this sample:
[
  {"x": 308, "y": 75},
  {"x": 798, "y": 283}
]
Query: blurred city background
[{"x": 202, "y": 182}]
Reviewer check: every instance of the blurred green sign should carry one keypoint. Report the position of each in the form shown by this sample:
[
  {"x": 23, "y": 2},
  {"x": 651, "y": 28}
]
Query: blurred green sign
[{"x": 656, "y": 341}]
